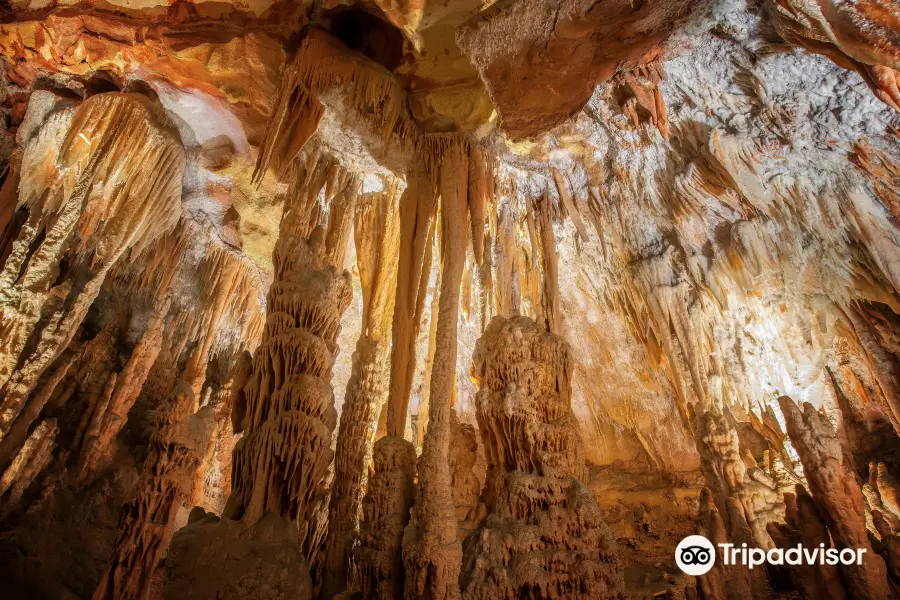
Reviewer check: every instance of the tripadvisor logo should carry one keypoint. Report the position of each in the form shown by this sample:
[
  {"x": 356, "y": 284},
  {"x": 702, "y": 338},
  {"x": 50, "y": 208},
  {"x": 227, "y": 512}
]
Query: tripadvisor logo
[{"x": 695, "y": 555}]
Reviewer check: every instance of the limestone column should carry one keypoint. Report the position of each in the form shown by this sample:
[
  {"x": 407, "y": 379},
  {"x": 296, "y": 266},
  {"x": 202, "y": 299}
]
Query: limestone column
[
  {"x": 544, "y": 530},
  {"x": 377, "y": 238},
  {"x": 432, "y": 553}
]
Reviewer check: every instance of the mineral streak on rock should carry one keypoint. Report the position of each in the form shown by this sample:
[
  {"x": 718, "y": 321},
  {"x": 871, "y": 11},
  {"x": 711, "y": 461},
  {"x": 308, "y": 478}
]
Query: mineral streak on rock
[
  {"x": 836, "y": 494},
  {"x": 92, "y": 201},
  {"x": 147, "y": 521},
  {"x": 377, "y": 243},
  {"x": 544, "y": 534}
]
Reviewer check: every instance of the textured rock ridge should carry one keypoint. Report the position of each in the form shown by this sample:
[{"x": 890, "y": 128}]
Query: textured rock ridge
[{"x": 544, "y": 535}]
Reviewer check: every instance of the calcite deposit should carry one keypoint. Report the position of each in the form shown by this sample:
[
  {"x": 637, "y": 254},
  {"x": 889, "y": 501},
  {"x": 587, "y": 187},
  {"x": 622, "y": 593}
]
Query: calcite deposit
[{"x": 394, "y": 299}]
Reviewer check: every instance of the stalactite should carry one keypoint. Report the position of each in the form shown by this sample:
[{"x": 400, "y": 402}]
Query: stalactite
[
  {"x": 94, "y": 206},
  {"x": 432, "y": 553},
  {"x": 549, "y": 265},
  {"x": 417, "y": 206},
  {"x": 505, "y": 264},
  {"x": 109, "y": 419},
  {"x": 385, "y": 516},
  {"x": 422, "y": 422},
  {"x": 323, "y": 63},
  {"x": 541, "y": 521},
  {"x": 836, "y": 494},
  {"x": 31, "y": 460},
  {"x": 14, "y": 441},
  {"x": 377, "y": 239},
  {"x": 147, "y": 523}
]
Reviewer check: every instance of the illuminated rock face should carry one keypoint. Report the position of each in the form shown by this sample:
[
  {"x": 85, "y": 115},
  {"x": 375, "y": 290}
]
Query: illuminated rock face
[{"x": 700, "y": 198}]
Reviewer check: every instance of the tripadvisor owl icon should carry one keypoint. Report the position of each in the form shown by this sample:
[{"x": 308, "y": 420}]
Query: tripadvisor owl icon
[{"x": 695, "y": 555}]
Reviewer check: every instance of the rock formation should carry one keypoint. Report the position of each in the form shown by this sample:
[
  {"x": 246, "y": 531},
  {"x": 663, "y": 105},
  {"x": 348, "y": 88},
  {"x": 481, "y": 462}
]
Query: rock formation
[
  {"x": 94, "y": 205},
  {"x": 385, "y": 517},
  {"x": 836, "y": 495},
  {"x": 544, "y": 534},
  {"x": 698, "y": 197},
  {"x": 464, "y": 482},
  {"x": 376, "y": 235},
  {"x": 728, "y": 477},
  {"x": 148, "y": 519},
  {"x": 432, "y": 553}
]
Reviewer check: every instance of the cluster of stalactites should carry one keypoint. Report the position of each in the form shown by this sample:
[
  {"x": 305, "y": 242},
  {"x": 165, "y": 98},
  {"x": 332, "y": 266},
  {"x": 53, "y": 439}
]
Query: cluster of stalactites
[{"x": 98, "y": 181}]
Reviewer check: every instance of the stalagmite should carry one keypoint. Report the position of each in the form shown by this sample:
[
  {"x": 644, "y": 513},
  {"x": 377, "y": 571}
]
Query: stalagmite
[
  {"x": 305, "y": 304},
  {"x": 288, "y": 416},
  {"x": 432, "y": 553},
  {"x": 837, "y": 496},
  {"x": 803, "y": 525},
  {"x": 464, "y": 482},
  {"x": 94, "y": 206},
  {"x": 376, "y": 232},
  {"x": 147, "y": 521},
  {"x": 733, "y": 583},
  {"x": 727, "y": 475},
  {"x": 215, "y": 472},
  {"x": 544, "y": 533},
  {"x": 385, "y": 516}
]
